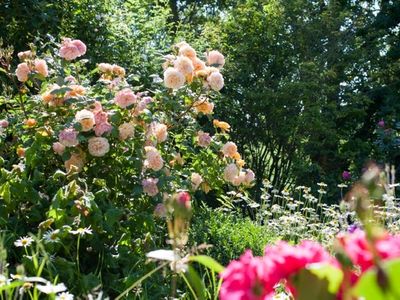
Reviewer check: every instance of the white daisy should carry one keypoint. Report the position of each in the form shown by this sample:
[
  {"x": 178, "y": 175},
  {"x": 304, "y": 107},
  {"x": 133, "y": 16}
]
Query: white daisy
[{"x": 25, "y": 241}]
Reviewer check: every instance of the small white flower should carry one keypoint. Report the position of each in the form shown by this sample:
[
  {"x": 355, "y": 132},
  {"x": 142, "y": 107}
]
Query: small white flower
[
  {"x": 82, "y": 231},
  {"x": 51, "y": 236},
  {"x": 51, "y": 289},
  {"x": 25, "y": 241},
  {"x": 3, "y": 280},
  {"x": 65, "y": 296}
]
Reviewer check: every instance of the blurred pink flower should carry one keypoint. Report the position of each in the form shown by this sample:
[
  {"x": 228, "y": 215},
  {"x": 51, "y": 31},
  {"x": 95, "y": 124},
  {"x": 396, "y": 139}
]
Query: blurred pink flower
[
  {"x": 249, "y": 278},
  {"x": 4, "y": 123},
  {"x": 150, "y": 186}
]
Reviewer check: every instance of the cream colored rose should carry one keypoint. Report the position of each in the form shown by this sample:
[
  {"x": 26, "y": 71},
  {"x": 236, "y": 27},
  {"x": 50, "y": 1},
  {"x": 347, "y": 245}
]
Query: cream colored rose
[
  {"x": 184, "y": 65},
  {"x": 196, "y": 180},
  {"x": 187, "y": 50},
  {"x": 98, "y": 146},
  {"x": 86, "y": 119},
  {"x": 153, "y": 159},
  {"x": 126, "y": 131},
  {"x": 159, "y": 131},
  {"x": 238, "y": 180},
  {"x": 173, "y": 79},
  {"x": 216, "y": 81},
  {"x": 230, "y": 172},
  {"x": 215, "y": 58}
]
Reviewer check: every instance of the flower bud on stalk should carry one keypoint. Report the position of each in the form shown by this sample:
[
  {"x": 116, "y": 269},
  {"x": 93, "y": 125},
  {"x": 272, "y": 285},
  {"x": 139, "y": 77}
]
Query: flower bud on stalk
[{"x": 180, "y": 210}]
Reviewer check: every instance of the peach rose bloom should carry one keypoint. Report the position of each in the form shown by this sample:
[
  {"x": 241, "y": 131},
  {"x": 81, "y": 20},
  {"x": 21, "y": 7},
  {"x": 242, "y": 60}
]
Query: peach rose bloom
[
  {"x": 41, "y": 67},
  {"x": 222, "y": 125},
  {"x": 25, "y": 54},
  {"x": 240, "y": 163},
  {"x": 125, "y": 98},
  {"x": 126, "y": 131},
  {"x": 118, "y": 71},
  {"x": 184, "y": 65},
  {"x": 196, "y": 180},
  {"x": 238, "y": 180},
  {"x": 86, "y": 119},
  {"x": 215, "y": 58},
  {"x": 204, "y": 107},
  {"x": 158, "y": 131},
  {"x": 58, "y": 148},
  {"x": 216, "y": 81},
  {"x": 30, "y": 122},
  {"x": 22, "y": 72},
  {"x": 188, "y": 51},
  {"x": 150, "y": 186},
  {"x": 153, "y": 159},
  {"x": 198, "y": 64},
  {"x": 173, "y": 78},
  {"x": 76, "y": 91},
  {"x": 98, "y": 146},
  {"x": 249, "y": 178},
  {"x": 230, "y": 172},
  {"x": 75, "y": 162},
  {"x": 229, "y": 149},
  {"x": 21, "y": 152},
  {"x": 105, "y": 68},
  {"x": 71, "y": 49}
]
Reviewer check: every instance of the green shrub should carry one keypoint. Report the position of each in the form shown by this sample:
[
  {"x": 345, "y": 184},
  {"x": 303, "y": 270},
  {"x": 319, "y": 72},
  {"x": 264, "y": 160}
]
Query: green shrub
[{"x": 230, "y": 234}]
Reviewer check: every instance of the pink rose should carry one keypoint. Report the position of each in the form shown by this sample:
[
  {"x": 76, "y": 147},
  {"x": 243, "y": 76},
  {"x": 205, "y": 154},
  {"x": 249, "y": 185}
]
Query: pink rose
[
  {"x": 150, "y": 186},
  {"x": 248, "y": 278},
  {"x": 22, "y": 72},
  {"x": 58, "y": 148},
  {"x": 203, "y": 139},
  {"x": 125, "y": 98},
  {"x": 71, "y": 49},
  {"x": 4, "y": 123},
  {"x": 41, "y": 67},
  {"x": 69, "y": 137}
]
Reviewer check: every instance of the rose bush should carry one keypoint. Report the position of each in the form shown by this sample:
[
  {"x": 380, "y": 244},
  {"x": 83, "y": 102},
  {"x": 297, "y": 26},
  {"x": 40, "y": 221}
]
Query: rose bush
[{"x": 87, "y": 149}]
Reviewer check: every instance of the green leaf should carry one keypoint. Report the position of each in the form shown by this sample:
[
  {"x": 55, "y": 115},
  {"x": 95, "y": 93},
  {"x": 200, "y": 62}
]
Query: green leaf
[
  {"x": 208, "y": 262},
  {"x": 333, "y": 274},
  {"x": 382, "y": 286},
  {"x": 5, "y": 192},
  {"x": 317, "y": 281},
  {"x": 196, "y": 282}
]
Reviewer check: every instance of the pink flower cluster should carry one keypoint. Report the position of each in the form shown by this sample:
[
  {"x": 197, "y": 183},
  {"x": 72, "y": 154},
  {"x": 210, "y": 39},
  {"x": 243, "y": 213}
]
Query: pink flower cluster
[
  {"x": 255, "y": 277},
  {"x": 101, "y": 120},
  {"x": 359, "y": 251},
  {"x": 251, "y": 278},
  {"x": 71, "y": 49}
]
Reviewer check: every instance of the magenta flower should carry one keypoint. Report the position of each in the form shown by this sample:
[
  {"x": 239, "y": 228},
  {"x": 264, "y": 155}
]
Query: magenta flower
[
  {"x": 346, "y": 175},
  {"x": 249, "y": 278},
  {"x": 381, "y": 123}
]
